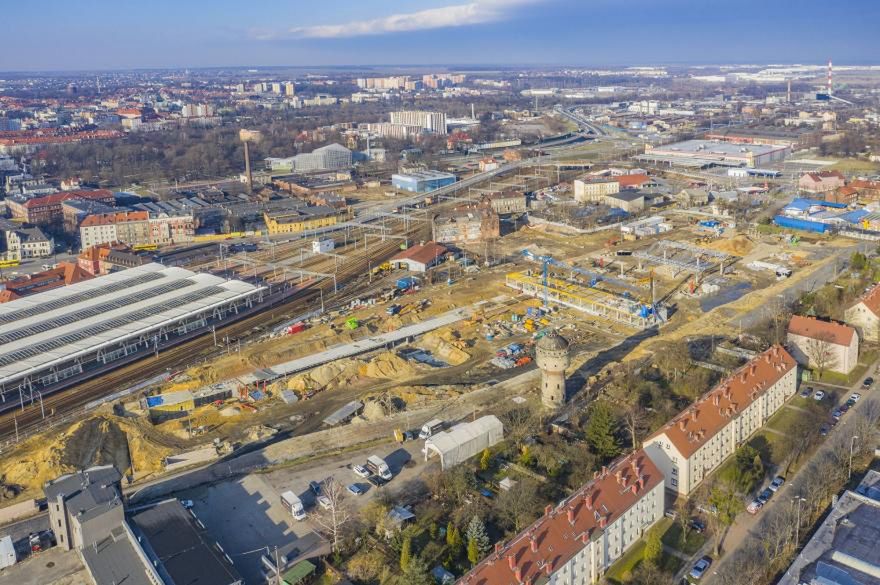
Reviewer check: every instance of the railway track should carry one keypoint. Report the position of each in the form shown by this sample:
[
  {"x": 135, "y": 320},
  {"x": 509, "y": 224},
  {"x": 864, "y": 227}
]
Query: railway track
[{"x": 196, "y": 350}]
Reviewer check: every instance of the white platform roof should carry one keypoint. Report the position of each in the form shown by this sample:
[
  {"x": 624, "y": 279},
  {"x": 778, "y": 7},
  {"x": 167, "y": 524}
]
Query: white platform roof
[{"x": 54, "y": 327}]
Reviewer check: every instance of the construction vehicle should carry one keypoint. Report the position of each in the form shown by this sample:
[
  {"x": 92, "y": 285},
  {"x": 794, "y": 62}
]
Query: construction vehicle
[
  {"x": 352, "y": 323},
  {"x": 384, "y": 267},
  {"x": 393, "y": 310}
]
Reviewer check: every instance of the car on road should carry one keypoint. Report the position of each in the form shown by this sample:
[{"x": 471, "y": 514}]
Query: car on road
[
  {"x": 187, "y": 504},
  {"x": 868, "y": 383},
  {"x": 855, "y": 397},
  {"x": 699, "y": 569},
  {"x": 315, "y": 487},
  {"x": 777, "y": 483},
  {"x": 806, "y": 391},
  {"x": 356, "y": 489},
  {"x": 819, "y": 395},
  {"x": 361, "y": 471},
  {"x": 376, "y": 480},
  {"x": 325, "y": 502},
  {"x": 755, "y": 506}
]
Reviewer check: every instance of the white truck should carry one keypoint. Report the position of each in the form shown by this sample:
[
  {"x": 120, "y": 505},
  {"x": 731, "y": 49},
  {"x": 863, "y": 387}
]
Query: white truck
[
  {"x": 378, "y": 467},
  {"x": 7, "y": 552},
  {"x": 430, "y": 428},
  {"x": 293, "y": 505}
]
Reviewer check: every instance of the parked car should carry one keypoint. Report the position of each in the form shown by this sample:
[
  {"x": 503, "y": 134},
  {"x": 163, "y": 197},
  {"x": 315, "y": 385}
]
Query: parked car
[
  {"x": 325, "y": 502},
  {"x": 361, "y": 471},
  {"x": 844, "y": 408},
  {"x": 868, "y": 382},
  {"x": 837, "y": 413},
  {"x": 806, "y": 391},
  {"x": 855, "y": 397},
  {"x": 35, "y": 542},
  {"x": 823, "y": 430},
  {"x": 486, "y": 493},
  {"x": 777, "y": 483},
  {"x": 819, "y": 395},
  {"x": 755, "y": 506},
  {"x": 376, "y": 481},
  {"x": 765, "y": 496},
  {"x": 698, "y": 525},
  {"x": 315, "y": 487},
  {"x": 356, "y": 489},
  {"x": 699, "y": 569}
]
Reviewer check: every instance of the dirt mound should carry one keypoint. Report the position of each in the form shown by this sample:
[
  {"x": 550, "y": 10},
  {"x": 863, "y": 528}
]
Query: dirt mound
[
  {"x": 447, "y": 345},
  {"x": 381, "y": 405},
  {"x": 388, "y": 365},
  {"x": 738, "y": 245},
  {"x": 100, "y": 440},
  {"x": 418, "y": 395}
]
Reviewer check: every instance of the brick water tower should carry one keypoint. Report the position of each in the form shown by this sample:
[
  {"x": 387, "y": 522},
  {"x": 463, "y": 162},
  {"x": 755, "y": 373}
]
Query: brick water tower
[{"x": 551, "y": 355}]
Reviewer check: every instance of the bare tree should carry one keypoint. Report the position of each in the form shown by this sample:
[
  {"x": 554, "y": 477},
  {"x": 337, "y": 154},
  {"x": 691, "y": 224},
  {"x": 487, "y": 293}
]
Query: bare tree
[
  {"x": 684, "y": 507},
  {"x": 333, "y": 518},
  {"x": 634, "y": 419},
  {"x": 821, "y": 351},
  {"x": 519, "y": 505},
  {"x": 520, "y": 423}
]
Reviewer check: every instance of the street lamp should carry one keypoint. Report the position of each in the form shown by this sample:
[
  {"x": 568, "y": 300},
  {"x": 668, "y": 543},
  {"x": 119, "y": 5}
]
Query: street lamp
[{"x": 852, "y": 444}]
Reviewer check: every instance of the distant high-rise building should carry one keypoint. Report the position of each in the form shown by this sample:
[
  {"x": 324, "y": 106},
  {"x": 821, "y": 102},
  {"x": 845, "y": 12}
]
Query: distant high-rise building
[
  {"x": 289, "y": 88},
  {"x": 277, "y": 88},
  {"x": 434, "y": 122}
]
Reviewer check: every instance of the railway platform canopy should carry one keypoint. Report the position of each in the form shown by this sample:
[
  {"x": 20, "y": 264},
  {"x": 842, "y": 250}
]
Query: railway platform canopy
[{"x": 47, "y": 337}]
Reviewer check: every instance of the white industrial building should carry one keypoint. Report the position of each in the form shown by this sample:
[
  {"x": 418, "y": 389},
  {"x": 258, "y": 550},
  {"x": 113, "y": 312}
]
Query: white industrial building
[
  {"x": 574, "y": 542},
  {"x": 712, "y": 153},
  {"x": 48, "y": 337},
  {"x": 465, "y": 440},
  {"x": 434, "y": 122},
  {"x": 327, "y": 158}
]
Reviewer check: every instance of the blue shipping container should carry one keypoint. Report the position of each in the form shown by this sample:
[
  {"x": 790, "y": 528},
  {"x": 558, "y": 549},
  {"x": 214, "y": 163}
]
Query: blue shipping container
[
  {"x": 407, "y": 282},
  {"x": 801, "y": 224}
]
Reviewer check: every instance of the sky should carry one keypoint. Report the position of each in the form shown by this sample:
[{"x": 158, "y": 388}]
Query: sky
[{"x": 56, "y": 35}]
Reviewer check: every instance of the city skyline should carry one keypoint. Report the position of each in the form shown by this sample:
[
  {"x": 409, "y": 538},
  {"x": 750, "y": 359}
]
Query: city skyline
[{"x": 437, "y": 32}]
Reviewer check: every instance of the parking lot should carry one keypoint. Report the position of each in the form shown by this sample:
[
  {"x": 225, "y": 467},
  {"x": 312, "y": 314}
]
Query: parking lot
[{"x": 246, "y": 515}]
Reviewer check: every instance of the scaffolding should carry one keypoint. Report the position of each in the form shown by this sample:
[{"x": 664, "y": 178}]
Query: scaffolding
[
  {"x": 629, "y": 312},
  {"x": 682, "y": 257}
]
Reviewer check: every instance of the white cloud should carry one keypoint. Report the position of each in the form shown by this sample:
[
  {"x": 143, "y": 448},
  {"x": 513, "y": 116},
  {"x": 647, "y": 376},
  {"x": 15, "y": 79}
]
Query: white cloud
[{"x": 475, "y": 12}]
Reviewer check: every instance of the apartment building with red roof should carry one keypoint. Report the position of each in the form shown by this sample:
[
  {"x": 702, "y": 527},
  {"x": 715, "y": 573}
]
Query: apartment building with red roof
[
  {"x": 811, "y": 341},
  {"x": 821, "y": 181},
  {"x": 63, "y": 274},
  {"x": 864, "y": 314},
  {"x": 575, "y": 542},
  {"x": 47, "y": 210},
  {"x": 698, "y": 440}
]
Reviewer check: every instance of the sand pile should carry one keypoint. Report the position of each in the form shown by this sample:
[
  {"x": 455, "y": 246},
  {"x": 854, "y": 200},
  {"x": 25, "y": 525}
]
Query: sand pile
[
  {"x": 447, "y": 345},
  {"x": 381, "y": 405},
  {"x": 738, "y": 245},
  {"x": 388, "y": 365},
  {"x": 418, "y": 395},
  {"x": 100, "y": 440}
]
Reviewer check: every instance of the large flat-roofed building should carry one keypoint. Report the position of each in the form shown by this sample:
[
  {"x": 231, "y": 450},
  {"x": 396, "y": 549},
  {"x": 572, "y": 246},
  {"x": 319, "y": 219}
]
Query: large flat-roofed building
[
  {"x": 421, "y": 181},
  {"x": 49, "y": 337},
  {"x": 476, "y": 223},
  {"x": 595, "y": 188},
  {"x": 180, "y": 548},
  {"x": 697, "y": 441},
  {"x": 576, "y": 541},
  {"x": 713, "y": 153},
  {"x": 843, "y": 550}
]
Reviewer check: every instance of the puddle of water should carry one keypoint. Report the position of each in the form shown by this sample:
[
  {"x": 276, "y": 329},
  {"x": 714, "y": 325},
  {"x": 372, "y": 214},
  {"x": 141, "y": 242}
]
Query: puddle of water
[{"x": 724, "y": 296}]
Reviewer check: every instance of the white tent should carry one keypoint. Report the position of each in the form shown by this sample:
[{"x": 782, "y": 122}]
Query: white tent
[{"x": 465, "y": 440}]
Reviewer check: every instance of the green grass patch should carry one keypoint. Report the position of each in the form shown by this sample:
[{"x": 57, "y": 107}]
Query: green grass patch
[
  {"x": 785, "y": 418},
  {"x": 621, "y": 571},
  {"x": 770, "y": 446},
  {"x": 672, "y": 538},
  {"x": 670, "y": 563},
  {"x": 854, "y": 165}
]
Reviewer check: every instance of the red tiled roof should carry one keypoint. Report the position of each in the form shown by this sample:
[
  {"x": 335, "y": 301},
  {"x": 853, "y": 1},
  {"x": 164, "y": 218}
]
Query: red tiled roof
[
  {"x": 110, "y": 218},
  {"x": 423, "y": 253},
  {"x": 871, "y": 299},
  {"x": 633, "y": 180},
  {"x": 817, "y": 177},
  {"x": 64, "y": 274},
  {"x": 563, "y": 531},
  {"x": 813, "y": 328},
  {"x": 863, "y": 184},
  {"x": 56, "y": 198},
  {"x": 692, "y": 428}
]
